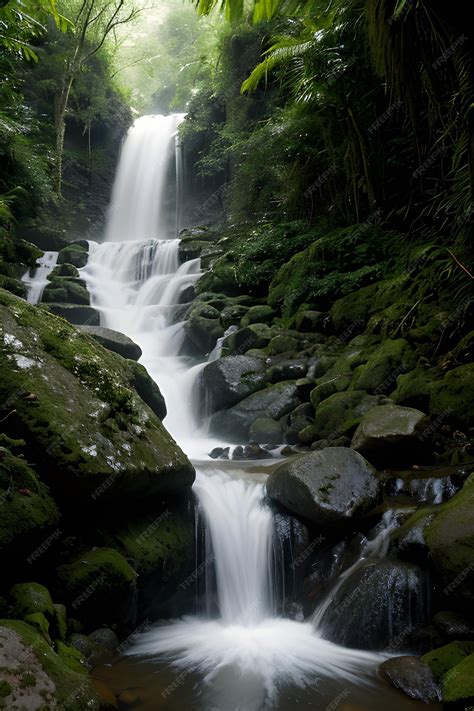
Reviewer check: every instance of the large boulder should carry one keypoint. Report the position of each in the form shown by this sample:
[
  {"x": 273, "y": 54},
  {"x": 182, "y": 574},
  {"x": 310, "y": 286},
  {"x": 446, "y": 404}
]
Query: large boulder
[
  {"x": 75, "y": 254},
  {"x": 89, "y": 432},
  {"x": 77, "y": 314},
  {"x": 100, "y": 587},
  {"x": 450, "y": 539},
  {"x": 340, "y": 414},
  {"x": 391, "y": 435},
  {"x": 325, "y": 487},
  {"x": 256, "y": 335},
  {"x": 203, "y": 327},
  {"x": 273, "y": 401},
  {"x": 379, "y": 375},
  {"x": 63, "y": 290},
  {"x": 258, "y": 314},
  {"x": 33, "y": 676},
  {"x": 29, "y": 513},
  {"x": 452, "y": 398},
  {"x": 228, "y": 380},
  {"x": 413, "y": 676},
  {"x": 114, "y": 341},
  {"x": 264, "y": 430}
]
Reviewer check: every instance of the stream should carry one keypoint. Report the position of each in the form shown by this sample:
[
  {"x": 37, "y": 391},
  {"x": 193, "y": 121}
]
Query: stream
[{"x": 238, "y": 652}]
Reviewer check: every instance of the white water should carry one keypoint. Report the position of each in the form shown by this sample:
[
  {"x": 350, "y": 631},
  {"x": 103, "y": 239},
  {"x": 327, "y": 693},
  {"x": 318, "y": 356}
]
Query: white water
[
  {"x": 136, "y": 209},
  {"x": 37, "y": 282},
  {"x": 136, "y": 285}
]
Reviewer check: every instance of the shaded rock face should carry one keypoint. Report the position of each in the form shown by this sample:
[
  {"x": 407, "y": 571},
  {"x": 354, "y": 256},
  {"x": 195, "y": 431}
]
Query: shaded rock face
[
  {"x": 325, "y": 487},
  {"x": 264, "y": 430},
  {"x": 393, "y": 434},
  {"x": 450, "y": 540},
  {"x": 77, "y": 314},
  {"x": 378, "y": 606},
  {"x": 75, "y": 254},
  {"x": 228, "y": 380},
  {"x": 114, "y": 341},
  {"x": 273, "y": 401},
  {"x": 35, "y": 677},
  {"x": 74, "y": 404},
  {"x": 413, "y": 676}
]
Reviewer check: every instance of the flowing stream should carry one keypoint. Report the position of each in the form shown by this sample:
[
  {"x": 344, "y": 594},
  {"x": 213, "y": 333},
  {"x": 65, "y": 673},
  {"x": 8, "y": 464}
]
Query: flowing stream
[{"x": 246, "y": 657}]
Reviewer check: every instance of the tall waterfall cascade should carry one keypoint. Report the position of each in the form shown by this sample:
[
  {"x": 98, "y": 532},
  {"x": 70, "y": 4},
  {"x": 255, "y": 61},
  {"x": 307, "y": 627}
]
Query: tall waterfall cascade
[{"x": 136, "y": 280}]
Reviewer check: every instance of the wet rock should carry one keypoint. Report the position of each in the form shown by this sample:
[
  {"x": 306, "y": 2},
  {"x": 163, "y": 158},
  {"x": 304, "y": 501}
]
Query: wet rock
[
  {"x": 146, "y": 388},
  {"x": 63, "y": 290},
  {"x": 106, "y": 637},
  {"x": 63, "y": 270},
  {"x": 29, "y": 598},
  {"x": 414, "y": 389},
  {"x": 287, "y": 370},
  {"x": 75, "y": 254},
  {"x": 33, "y": 675},
  {"x": 413, "y": 676},
  {"x": 450, "y": 539},
  {"x": 86, "y": 583},
  {"x": 393, "y": 434},
  {"x": 114, "y": 341},
  {"x": 332, "y": 485},
  {"x": 45, "y": 238},
  {"x": 452, "y": 624},
  {"x": 88, "y": 430},
  {"x": 391, "y": 359},
  {"x": 257, "y": 335},
  {"x": 76, "y": 314},
  {"x": 457, "y": 685},
  {"x": 203, "y": 327},
  {"x": 408, "y": 541},
  {"x": 232, "y": 314},
  {"x": 254, "y": 451},
  {"x": 220, "y": 453},
  {"x": 340, "y": 414},
  {"x": 264, "y": 430},
  {"x": 273, "y": 401},
  {"x": 228, "y": 380},
  {"x": 258, "y": 314},
  {"x": 452, "y": 398},
  {"x": 91, "y": 651},
  {"x": 310, "y": 321},
  {"x": 444, "y": 658},
  {"x": 282, "y": 344}
]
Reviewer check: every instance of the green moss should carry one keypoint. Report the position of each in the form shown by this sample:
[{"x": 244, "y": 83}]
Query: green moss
[
  {"x": 27, "y": 680},
  {"x": 31, "y": 598},
  {"x": 258, "y": 314},
  {"x": 72, "y": 658},
  {"x": 16, "y": 286},
  {"x": 458, "y": 683},
  {"x": 380, "y": 373},
  {"x": 5, "y": 689},
  {"x": 40, "y": 623},
  {"x": 73, "y": 690},
  {"x": 444, "y": 658},
  {"x": 414, "y": 389},
  {"x": 450, "y": 538},
  {"x": 453, "y": 396},
  {"x": 75, "y": 254}
]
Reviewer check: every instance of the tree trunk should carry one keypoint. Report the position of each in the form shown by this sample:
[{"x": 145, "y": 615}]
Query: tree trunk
[{"x": 60, "y": 128}]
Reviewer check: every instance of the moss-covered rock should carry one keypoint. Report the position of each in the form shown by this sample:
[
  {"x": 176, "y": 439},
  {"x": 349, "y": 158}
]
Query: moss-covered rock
[
  {"x": 443, "y": 659},
  {"x": 28, "y": 513},
  {"x": 282, "y": 343},
  {"x": 256, "y": 335},
  {"x": 453, "y": 396},
  {"x": 457, "y": 685},
  {"x": 340, "y": 414},
  {"x": 414, "y": 389},
  {"x": 114, "y": 341},
  {"x": 85, "y": 425},
  {"x": 258, "y": 314},
  {"x": 228, "y": 380},
  {"x": 203, "y": 327},
  {"x": 38, "y": 677},
  {"x": 31, "y": 598},
  {"x": 450, "y": 539},
  {"x": 101, "y": 587},
  {"x": 64, "y": 290},
  {"x": 391, "y": 359},
  {"x": 338, "y": 376},
  {"x": 40, "y": 623},
  {"x": 264, "y": 430},
  {"x": 77, "y": 314},
  {"x": 391, "y": 435},
  {"x": 63, "y": 270},
  {"x": 75, "y": 254},
  {"x": 273, "y": 401}
]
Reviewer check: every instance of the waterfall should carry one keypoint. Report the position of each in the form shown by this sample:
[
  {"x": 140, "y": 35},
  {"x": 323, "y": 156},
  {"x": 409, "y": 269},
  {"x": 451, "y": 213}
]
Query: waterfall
[
  {"x": 136, "y": 211},
  {"x": 36, "y": 279},
  {"x": 135, "y": 279}
]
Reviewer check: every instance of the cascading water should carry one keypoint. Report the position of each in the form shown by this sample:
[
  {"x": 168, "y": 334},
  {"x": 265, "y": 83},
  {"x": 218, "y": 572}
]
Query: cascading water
[
  {"x": 135, "y": 279},
  {"x": 36, "y": 279}
]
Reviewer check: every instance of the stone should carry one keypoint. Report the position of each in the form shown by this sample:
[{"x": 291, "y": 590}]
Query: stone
[
  {"x": 87, "y": 428},
  {"x": 256, "y": 335},
  {"x": 30, "y": 598},
  {"x": 452, "y": 398},
  {"x": 457, "y": 685},
  {"x": 413, "y": 676},
  {"x": 34, "y": 676},
  {"x": 450, "y": 539},
  {"x": 228, "y": 380},
  {"x": 391, "y": 435},
  {"x": 273, "y": 401},
  {"x": 326, "y": 487},
  {"x": 264, "y": 430},
  {"x": 75, "y": 254},
  {"x": 391, "y": 359},
  {"x": 114, "y": 341},
  {"x": 106, "y": 637},
  {"x": 452, "y": 624},
  {"x": 444, "y": 658},
  {"x": 340, "y": 414},
  {"x": 282, "y": 344},
  {"x": 101, "y": 587},
  {"x": 76, "y": 314},
  {"x": 258, "y": 314},
  {"x": 63, "y": 290}
]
